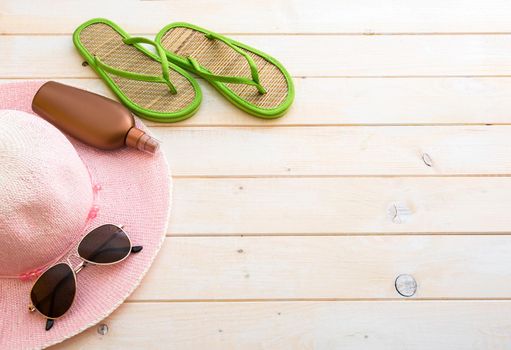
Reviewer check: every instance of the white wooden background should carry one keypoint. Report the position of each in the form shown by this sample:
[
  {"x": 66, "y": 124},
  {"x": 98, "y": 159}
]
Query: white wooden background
[{"x": 281, "y": 236}]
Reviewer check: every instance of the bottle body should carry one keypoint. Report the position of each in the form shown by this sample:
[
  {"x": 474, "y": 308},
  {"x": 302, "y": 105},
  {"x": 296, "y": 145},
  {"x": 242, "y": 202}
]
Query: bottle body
[{"x": 91, "y": 118}]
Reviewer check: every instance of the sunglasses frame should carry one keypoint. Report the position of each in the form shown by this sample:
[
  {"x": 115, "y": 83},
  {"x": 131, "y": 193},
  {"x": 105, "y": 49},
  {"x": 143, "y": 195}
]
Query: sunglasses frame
[{"x": 76, "y": 270}]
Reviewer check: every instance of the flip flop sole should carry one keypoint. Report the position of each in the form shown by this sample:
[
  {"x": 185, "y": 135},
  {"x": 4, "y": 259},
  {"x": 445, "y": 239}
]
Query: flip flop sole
[
  {"x": 103, "y": 38},
  {"x": 183, "y": 40}
]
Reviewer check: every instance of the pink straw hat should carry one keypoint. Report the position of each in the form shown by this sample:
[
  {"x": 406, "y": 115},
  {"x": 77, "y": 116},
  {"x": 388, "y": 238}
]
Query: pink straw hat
[{"x": 53, "y": 190}]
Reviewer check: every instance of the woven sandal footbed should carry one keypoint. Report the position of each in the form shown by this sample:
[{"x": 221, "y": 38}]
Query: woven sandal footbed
[
  {"x": 220, "y": 59},
  {"x": 106, "y": 43}
]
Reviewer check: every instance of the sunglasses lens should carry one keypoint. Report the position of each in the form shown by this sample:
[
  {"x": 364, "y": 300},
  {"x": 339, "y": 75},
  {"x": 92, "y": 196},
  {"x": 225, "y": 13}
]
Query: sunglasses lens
[
  {"x": 54, "y": 291},
  {"x": 105, "y": 245}
]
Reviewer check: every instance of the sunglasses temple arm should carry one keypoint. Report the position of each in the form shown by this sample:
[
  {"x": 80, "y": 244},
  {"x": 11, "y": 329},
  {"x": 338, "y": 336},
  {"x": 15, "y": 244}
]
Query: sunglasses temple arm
[
  {"x": 136, "y": 248},
  {"x": 49, "y": 324}
]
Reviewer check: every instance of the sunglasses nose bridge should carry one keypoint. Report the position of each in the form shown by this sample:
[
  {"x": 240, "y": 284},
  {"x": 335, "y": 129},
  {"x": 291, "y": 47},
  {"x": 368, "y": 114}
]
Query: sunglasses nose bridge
[{"x": 78, "y": 265}]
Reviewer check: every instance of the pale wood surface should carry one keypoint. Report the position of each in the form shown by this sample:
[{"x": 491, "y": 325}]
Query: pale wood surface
[
  {"x": 261, "y": 16},
  {"x": 381, "y": 325},
  {"x": 338, "y": 151},
  {"x": 303, "y": 55},
  {"x": 366, "y": 101},
  {"x": 283, "y": 233},
  {"x": 325, "y": 268},
  {"x": 354, "y": 205}
]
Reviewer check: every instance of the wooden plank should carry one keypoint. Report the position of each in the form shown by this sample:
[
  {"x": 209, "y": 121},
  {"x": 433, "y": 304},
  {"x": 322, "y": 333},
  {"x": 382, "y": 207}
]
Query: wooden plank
[
  {"x": 340, "y": 205},
  {"x": 458, "y": 325},
  {"x": 368, "y": 101},
  {"x": 290, "y": 16},
  {"x": 333, "y": 55},
  {"x": 290, "y": 268},
  {"x": 337, "y": 151}
]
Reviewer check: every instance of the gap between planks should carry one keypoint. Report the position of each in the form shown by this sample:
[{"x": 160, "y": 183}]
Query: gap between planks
[
  {"x": 340, "y": 76},
  {"x": 289, "y": 34},
  {"x": 340, "y": 234},
  {"x": 270, "y": 176},
  {"x": 312, "y": 300}
]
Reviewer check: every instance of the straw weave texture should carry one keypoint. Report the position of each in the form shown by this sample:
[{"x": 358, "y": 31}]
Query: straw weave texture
[
  {"x": 220, "y": 59},
  {"x": 135, "y": 191},
  {"x": 104, "y": 42}
]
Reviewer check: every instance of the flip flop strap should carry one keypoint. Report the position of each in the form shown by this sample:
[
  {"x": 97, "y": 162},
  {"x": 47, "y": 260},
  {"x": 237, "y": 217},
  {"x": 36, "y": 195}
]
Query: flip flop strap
[
  {"x": 230, "y": 79},
  {"x": 165, "y": 78}
]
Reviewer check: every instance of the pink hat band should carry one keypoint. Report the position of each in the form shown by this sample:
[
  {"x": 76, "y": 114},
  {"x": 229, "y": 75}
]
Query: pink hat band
[{"x": 46, "y": 195}]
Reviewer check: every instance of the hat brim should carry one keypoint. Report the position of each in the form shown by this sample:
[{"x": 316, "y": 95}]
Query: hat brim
[{"x": 135, "y": 192}]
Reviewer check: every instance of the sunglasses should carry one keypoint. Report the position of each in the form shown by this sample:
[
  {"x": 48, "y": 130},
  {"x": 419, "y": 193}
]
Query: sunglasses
[{"x": 54, "y": 291}]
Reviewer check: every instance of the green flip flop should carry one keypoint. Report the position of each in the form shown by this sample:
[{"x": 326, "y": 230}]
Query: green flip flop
[
  {"x": 146, "y": 83},
  {"x": 252, "y": 80}
]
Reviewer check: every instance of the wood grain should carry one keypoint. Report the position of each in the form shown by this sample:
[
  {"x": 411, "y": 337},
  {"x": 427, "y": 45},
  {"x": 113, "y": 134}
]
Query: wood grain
[
  {"x": 326, "y": 268},
  {"x": 337, "y": 151},
  {"x": 340, "y": 205},
  {"x": 283, "y": 16},
  {"x": 333, "y": 55},
  {"x": 428, "y": 325},
  {"x": 367, "y": 101},
  {"x": 288, "y": 234}
]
